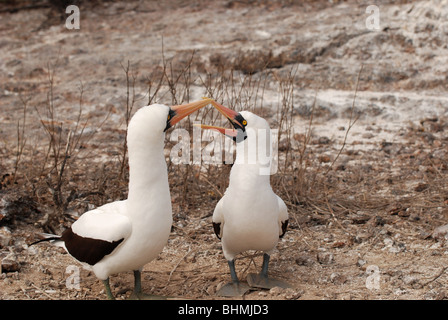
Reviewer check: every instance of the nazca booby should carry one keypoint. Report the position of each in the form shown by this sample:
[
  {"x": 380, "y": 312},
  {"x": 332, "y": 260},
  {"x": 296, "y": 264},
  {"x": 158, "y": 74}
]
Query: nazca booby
[
  {"x": 125, "y": 235},
  {"x": 250, "y": 216}
]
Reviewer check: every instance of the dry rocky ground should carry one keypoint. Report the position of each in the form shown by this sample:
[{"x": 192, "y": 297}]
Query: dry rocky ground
[{"x": 368, "y": 199}]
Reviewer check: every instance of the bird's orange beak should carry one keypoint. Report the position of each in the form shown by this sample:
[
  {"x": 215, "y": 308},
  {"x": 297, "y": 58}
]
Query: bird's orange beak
[
  {"x": 231, "y": 133},
  {"x": 238, "y": 133},
  {"x": 179, "y": 112},
  {"x": 234, "y": 117}
]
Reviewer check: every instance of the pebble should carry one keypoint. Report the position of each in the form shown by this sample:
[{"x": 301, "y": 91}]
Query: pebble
[
  {"x": 5, "y": 237},
  {"x": 262, "y": 294},
  {"x": 412, "y": 281},
  {"x": 291, "y": 294},
  {"x": 394, "y": 247},
  {"x": 324, "y": 158},
  {"x": 361, "y": 263},
  {"x": 10, "y": 265},
  {"x": 337, "y": 278},
  {"x": 441, "y": 233},
  {"x": 286, "y": 293},
  {"x": 304, "y": 260},
  {"x": 275, "y": 291},
  {"x": 325, "y": 257}
]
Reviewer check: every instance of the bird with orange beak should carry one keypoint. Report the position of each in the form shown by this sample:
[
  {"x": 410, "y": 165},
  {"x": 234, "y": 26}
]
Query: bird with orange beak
[
  {"x": 250, "y": 216},
  {"x": 125, "y": 235}
]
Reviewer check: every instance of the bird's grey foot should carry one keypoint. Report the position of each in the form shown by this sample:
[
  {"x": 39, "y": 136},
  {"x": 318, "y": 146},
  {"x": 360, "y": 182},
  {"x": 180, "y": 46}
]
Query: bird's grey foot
[
  {"x": 233, "y": 289},
  {"x": 261, "y": 281}
]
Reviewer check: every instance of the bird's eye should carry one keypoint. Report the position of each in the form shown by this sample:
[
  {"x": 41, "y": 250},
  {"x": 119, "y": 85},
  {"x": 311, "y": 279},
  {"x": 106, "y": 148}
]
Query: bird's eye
[
  {"x": 244, "y": 123},
  {"x": 169, "y": 117}
]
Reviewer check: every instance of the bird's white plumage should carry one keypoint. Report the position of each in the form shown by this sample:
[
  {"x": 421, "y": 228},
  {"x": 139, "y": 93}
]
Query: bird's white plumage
[
  {"x": 144, "y": 220},
  {"x": 250, "y": 214},
  {"x": 108, "y": 222}
]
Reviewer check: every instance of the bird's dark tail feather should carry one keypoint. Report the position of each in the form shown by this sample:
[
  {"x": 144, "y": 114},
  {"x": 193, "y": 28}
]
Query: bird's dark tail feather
[{"x": 48, "y": 237}]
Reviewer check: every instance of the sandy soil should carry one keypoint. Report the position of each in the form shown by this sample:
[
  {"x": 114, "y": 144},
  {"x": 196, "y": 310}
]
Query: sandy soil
[{"x": 364, "y": 227}]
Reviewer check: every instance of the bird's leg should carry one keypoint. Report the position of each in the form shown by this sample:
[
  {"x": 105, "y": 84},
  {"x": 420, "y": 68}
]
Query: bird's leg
[
  {"x": 264, "y": 267},
  {"x": 137, "y": 294},
  {"x": 234, "y": 288},
  {"x": 262, "y": 280},
  {"x": 110, "y": 296},
  {"x": 232, "y": 271},
  {"x": 137, "y": 282}
]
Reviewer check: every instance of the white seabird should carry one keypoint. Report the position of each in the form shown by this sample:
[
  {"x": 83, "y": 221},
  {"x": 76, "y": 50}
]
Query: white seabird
[
  {"x": 250, "y": 216},
  {"x": 125, "y": 235}
]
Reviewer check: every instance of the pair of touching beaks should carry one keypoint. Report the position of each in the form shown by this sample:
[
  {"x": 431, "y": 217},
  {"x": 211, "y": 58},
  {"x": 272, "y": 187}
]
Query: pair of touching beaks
[{"x": 237, "y": 133}]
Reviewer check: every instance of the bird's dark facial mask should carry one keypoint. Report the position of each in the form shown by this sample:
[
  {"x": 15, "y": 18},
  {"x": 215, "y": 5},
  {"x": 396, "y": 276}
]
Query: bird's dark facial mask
[
  {"x": 177, "y": 113},
  {"x": 238, "y": 133},
  {"x": 171, "y": 114}
]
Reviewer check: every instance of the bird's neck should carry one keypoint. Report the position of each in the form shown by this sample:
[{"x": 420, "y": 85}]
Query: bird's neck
[
  {"x": 247, "y": 178},
  {"x": 254, "y": 160},
  {"x": 148, "y": 177}
]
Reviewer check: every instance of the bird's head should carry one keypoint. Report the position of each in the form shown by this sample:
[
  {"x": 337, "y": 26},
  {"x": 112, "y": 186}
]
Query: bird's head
[
  {"x": 253, "y": 136},
  {"x": 238, "y": 122},
  {"x": 158, "y": 118}
]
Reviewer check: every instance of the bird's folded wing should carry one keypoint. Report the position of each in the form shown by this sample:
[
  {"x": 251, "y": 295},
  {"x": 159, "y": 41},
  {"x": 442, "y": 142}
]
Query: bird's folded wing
[
  {"x": 97, "y": 233},
  {"x": 218, "y": 219},
  {"x": 107, "y": 223},
  {"x": 282, "y": 217}
]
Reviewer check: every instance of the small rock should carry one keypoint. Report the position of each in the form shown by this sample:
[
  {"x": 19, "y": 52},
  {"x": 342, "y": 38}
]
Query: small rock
[
  {"x": 404, "y": 213},
  {"x": 388, "y": 242},
  {"x": 338, "y": 244},
  {"x": 424, "y": 235},
  {"x": 299, "y": 137},
  {"x": 361, "y": 263},
  {"x": 324, "y": 159},
  {"x": 395, "y": 209},
  {"x": 435, "y": 295},
  {"x": 441, "y": 233},
  {"x": 360, "y": 218},
  {"x": 291, "y": 294},
  {"x": 421, "y": 187},
  {"x": 262, "y": 294},
  {"x": 379, "y": 221},
  {"x": 10, "y": 265},
  {"x": 261, "y": 34},
  {"x": 276, "y": 291},
  {"x": 211, "y": 290},
  {"x": 337, "y": 278},
  {"x": 304, "y": 260},
  {"x": 5, "y": 237},
  {"x": 394, "y": 247},
  {"x": 323, "y": 140},
  {"x": 325, "y": 257},
  {"x": 412, "y": 281},
  {"x": 284, "y": 145}
]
